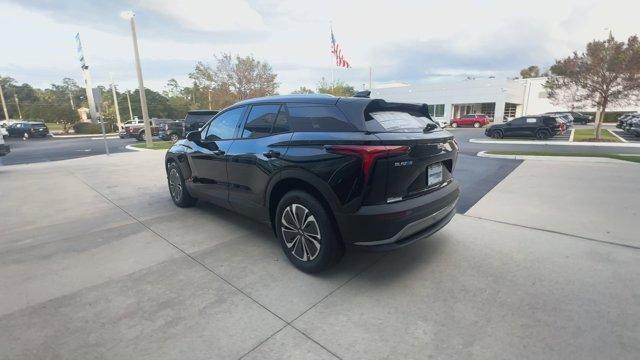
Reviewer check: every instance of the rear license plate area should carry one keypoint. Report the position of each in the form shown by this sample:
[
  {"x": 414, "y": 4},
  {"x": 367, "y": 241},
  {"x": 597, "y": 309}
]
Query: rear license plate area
[{"x": 434, "y": 174}]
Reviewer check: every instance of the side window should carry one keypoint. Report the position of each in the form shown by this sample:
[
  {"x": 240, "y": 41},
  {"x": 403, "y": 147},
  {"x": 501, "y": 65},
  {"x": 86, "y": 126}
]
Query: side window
[
  {"x": 260, "y": 121},
  {"x": 431, "y": 108},
  {"x": 224, "y": 126},
  {"x": 440, "y": 110},
  {"x": 318, "y": 118},
  {"x": 518, "y": 121},
  {"x": 282, "y": 121}
]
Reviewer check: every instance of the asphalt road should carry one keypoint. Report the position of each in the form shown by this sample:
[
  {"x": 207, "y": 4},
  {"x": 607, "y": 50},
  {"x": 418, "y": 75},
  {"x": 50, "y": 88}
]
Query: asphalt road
[{"x": 52, "y": 149}]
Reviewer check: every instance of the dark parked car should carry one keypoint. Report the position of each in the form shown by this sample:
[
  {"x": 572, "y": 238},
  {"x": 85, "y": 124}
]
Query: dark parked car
[
  {"x": 172, "y": 130},
  {"x": 540, "y": 127},
  {"x": 622, "y": 120},
  {"x": 27, "y": 129},
  {"x": 196, "y": 119},
  {"x": 577, "y": 117},
  {"x": 632, "y": 126},
  {"x": 324, "y": 172}
]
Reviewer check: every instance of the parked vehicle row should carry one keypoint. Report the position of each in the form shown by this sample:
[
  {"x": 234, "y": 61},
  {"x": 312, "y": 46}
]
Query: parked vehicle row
[
  {"x": 630, "y": 123},
  {"x": 540, "y": 127},
  {"x": 177, "y": 129},
  {"x": 136, "y": 129},
  {"x": 325, "y": 172}
]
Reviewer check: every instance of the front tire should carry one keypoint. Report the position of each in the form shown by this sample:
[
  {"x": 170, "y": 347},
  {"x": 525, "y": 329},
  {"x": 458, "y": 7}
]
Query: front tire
[
  {"x": 177, "y": 189},
  {"x": 306, "y": 232},
  {"x": 455, "y": 125},
  {"x": 140, "y": 136},
  {"x": 497, "y": 134},
  {"x": 476, "y": 125}
]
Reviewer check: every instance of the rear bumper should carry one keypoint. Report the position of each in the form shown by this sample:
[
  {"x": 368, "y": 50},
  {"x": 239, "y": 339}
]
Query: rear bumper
[{"x": 389, "y": 226}]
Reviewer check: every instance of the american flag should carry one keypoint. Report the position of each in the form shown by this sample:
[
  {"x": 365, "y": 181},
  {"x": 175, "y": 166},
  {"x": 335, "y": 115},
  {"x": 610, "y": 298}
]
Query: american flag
[{"x": 335, "y": 50}]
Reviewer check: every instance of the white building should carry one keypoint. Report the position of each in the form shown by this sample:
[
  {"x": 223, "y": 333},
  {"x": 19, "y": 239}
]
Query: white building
[{"x": 497, "y": 98}]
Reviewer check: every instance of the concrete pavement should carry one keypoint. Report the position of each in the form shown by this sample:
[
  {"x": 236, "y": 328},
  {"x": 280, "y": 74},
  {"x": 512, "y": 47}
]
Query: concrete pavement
[{"x": 96, "y": 262}]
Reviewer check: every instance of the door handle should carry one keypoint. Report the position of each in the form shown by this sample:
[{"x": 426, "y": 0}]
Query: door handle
[
  {"x": 218, "y": 152},
  {"x": 271, "y": 154}
]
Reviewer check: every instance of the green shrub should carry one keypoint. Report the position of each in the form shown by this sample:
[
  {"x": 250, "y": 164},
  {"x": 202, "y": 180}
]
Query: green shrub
[{"x": 87, "y": 128}]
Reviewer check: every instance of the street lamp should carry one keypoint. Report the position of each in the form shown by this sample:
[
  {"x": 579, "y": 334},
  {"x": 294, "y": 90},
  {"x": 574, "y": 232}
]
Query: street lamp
[{"x": 130, "y": 15}]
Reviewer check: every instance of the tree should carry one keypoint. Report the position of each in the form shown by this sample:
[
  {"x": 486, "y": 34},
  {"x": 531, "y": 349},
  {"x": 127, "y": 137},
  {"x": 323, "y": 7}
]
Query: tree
[
  {"x": 303, "y": 90},
  {"x": 232, "y": 79},
  {"x": 608, "y": 72},
  {"x": 532, "y": 71},
  {"x": 339, "y": 88}
]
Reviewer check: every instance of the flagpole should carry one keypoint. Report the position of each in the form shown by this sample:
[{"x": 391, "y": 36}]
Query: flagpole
[{"x": 332, "y": 56}]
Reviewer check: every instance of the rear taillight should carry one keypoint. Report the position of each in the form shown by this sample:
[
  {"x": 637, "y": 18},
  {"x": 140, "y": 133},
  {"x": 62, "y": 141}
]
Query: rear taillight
[{"x": 368, "y": 153}]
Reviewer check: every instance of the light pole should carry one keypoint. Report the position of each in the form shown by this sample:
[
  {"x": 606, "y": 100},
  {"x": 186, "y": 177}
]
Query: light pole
[
  {"x": 4, "y": 105},
  {"x": 115, "y": 103},
  {"x": 130, "y": 15},
  {"x": 15, "y": 97},
  {"x": 129, "y": 102}
]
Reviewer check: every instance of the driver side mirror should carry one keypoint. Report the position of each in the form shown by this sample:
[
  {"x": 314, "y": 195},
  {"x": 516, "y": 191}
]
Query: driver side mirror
[
  {"x": 508, "y": 123},
  {"x": 194, "y": 136}
]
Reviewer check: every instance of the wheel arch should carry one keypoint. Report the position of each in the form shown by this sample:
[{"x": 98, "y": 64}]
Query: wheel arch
[{"x": 295, "y": 180}]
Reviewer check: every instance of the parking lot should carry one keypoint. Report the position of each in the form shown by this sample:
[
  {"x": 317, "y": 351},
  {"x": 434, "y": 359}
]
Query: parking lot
[{"x": 101, "y": 264}]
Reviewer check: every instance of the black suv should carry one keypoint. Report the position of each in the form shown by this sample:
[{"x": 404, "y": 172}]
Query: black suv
[
  {"x": 26, "y": 129},
  {"x": 325, "y": 172},
  {"x": 196, "y": 119},
  {"x": 541, "y": 127},
  {"x": 171, "y": 130}
]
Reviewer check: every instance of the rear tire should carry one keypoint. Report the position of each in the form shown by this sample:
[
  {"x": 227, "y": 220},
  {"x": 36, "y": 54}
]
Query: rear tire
[
  {"x": 542, "y": 135},
  {"x": 140, "y": 136},
  {"x": 177, "y": 189},
  {"x": 497, "y": 134},
  {"x": 306, "y": 232},
  {"x": 476, "y": 125},
  {"x": 174, "y": 138},
  {"x": 455, "y": 125}
]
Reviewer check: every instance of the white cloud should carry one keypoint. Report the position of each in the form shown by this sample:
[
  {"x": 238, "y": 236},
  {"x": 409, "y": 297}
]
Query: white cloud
[{"x": 208, "y": 15}]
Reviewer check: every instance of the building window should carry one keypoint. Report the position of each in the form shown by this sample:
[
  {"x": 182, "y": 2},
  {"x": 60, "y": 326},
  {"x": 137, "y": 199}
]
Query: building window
[
  {"x": 510, "y": 110},
  {"x": 436, "y": 110},
  {"x": 488, "y": 109}
]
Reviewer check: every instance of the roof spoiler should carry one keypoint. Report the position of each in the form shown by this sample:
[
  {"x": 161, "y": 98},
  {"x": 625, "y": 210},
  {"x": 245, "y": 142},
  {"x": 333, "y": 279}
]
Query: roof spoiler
[{"x": 381, "y": 105}]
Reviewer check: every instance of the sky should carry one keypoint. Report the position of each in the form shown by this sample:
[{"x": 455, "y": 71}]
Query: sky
[{"x": 401, "y": 41}]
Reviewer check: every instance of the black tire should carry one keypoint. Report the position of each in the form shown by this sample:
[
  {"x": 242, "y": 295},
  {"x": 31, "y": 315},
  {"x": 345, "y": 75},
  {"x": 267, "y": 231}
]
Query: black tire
[
  {"x": 542, "y": 134},
  {"x": 317, "y": 241},
  {"x": 177, "y": 189},
  {"x": 140, "y": 136},
  {"x": 174, "y": 137},
  {"x": 497, "y": 134}
]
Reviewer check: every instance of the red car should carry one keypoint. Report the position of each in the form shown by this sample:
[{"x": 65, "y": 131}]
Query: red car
[{"x": 475, "y": 120}]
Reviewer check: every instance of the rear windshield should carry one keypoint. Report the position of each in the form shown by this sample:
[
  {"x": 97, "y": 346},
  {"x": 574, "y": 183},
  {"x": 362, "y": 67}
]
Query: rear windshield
[
  {"x": 396, "y": 121},
  {"x": 197, "y": 118}
]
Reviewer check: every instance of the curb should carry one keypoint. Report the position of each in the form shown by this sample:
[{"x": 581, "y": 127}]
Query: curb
[
  {"x": 131, "y": 147},
  {"x": 616, "y": 135},
  {"x": 590, "y": 159},
  {"x": 561, "y": 143},
  {"x": 83, "y": 136}
]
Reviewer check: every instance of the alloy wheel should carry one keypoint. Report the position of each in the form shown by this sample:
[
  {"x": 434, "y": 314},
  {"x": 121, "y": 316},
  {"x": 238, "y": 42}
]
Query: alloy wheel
[
  {"x": 175, "y": 185},
  {"x": 174, "y": 137},
  {"x": 301, "y": 232}
]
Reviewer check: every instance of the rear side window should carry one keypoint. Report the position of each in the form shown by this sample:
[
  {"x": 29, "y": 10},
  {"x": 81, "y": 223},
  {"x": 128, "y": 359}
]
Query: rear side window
[
  {"x": 318, "y": 119},
  {"x": 396, "y": 121},
  {"x": 282, "y": 121},
  {"x": 197, "y": 120},
  {"x": 518, "y": 121},
  {"x": 260, "y": 121}
]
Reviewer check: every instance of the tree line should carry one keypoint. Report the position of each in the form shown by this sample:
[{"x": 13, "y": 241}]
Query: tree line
[{"x": 230, "y": 79}]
